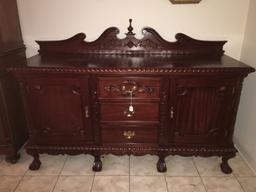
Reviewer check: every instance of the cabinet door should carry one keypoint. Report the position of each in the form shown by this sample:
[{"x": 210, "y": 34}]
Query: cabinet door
[
  {"x": 201, "y": 109},
  {"x": 2, "y": 134},
  {"x": 59, "y": 110}
]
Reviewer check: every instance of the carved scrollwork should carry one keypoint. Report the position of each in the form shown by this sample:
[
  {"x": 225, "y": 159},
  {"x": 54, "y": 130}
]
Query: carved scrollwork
[
  {"x": 222, "y": 90},
  {"x": 37, "y": 87},
  {"x": 130, "y": 44},
  {"x": 108, "y": 43},
  {"x": 214, "y": 132},
  {"x": 47, "y": 130},
  {"x": 111, "y": 44},
  {"x": 82, "y": 132},
  {"x": 182, "y": 91},
  {"x": 129, "y": 87},
  {"x": 149, "y": 44},
  {"x": 76, "y": 92}
]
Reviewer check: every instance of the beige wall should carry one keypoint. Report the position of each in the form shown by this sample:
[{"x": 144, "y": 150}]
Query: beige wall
[
  {"x": 58, "y": 19},
  {"x": 245, "y": 135}
]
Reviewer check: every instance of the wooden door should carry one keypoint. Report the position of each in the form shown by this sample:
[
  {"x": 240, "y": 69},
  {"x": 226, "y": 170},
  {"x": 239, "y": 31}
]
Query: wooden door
[
  {"x": 200, "y": 110},
  {"x": 2, "y": 134},
  {"x": 60, "y": 111}
]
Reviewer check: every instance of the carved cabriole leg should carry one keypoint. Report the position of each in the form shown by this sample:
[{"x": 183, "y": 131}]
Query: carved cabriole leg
[
  {"x": 36, "y": 163},
  {"x": 12, "y": 158},
  {"x": 161, "y": 166},
  {"x": 97, "y": 165},
  {"x": 225, "y": 168}
]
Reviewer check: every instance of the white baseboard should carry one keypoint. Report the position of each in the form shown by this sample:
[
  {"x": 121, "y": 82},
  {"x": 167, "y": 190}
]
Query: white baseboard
[{"x": 245, "y": 156}]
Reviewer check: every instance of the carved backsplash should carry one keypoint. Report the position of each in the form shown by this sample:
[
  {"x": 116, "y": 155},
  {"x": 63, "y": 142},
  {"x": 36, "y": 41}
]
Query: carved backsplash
[{"x": 150, "y": 44}]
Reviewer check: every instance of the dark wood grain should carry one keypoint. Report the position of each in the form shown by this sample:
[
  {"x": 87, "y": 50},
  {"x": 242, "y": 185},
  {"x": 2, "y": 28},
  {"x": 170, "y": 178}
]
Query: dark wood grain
[
  {"x": 117, "y": 112},
  {"x": 13, "y": 132},
  {"x": 62, "y": 112},
  {"x": 207, "y": 100},
  {"x": 121, "y": 87},
  {"x": 185, "y": 97},
  {"x": 118, "y": 134},
  {"x": 10, "y": 32}
]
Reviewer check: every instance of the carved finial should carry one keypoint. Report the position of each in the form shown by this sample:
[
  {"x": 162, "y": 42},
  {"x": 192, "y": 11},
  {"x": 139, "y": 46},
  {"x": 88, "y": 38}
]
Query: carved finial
[{"x": 130, "y": 28}]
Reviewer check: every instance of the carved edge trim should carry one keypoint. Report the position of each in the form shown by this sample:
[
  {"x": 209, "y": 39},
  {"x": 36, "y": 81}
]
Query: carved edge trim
[
  {"x": 142, "y": 149},
  {"x": 135, "y": 70}
]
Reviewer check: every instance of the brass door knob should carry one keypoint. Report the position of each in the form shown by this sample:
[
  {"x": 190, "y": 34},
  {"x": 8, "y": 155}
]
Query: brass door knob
[{"x": 129, "y": 134}]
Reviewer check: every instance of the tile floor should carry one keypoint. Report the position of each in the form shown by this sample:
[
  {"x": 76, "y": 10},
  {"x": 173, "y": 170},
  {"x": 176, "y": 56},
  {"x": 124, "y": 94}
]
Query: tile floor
[{"x": 124, "y": 174}]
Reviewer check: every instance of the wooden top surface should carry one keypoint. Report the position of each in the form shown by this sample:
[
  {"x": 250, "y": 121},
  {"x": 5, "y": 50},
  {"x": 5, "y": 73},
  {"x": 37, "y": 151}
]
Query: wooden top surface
[{"x": 129, "y": 64}]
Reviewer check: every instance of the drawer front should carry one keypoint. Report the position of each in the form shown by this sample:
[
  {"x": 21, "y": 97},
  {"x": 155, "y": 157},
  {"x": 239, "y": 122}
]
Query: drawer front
[
  {"x": 119, "y": 112},
  {"x": 119, "y": 87},
  {"x": 126, "y": 134}
]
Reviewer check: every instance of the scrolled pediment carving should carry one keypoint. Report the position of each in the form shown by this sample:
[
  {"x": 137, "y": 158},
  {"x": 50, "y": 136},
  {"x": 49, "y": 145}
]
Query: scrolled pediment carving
[{"x": 151, "y": 42}]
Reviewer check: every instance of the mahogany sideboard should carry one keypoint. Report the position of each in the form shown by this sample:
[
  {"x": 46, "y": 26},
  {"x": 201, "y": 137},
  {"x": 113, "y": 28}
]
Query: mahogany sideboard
[{"x": 131, "y": 96}]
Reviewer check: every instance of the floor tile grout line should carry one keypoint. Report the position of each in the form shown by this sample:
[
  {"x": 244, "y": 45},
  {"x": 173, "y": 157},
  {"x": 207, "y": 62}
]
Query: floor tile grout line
[
  {"x": 239, "y": 183},
  {"x": 94, "y": 175},
  {"x": 148, "y": 175},
  {"x": 63, "y": 165},
  {"x": 98, "y": 175},
  {"x": 201, "y": 179},
  {"x": 22, "y": 177},
  {"x": 166, "y": 183},
  {"x": 59, "y": 175}
]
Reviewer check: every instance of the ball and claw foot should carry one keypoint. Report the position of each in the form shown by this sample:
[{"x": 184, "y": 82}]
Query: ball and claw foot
[
  {"x": 12, "y": 158},
  {"x": 161, "y": 166},
  {"x": 35, "y": 165},
  {"x": 97, "y": 165},
  {"x": 225, "y": 168}
]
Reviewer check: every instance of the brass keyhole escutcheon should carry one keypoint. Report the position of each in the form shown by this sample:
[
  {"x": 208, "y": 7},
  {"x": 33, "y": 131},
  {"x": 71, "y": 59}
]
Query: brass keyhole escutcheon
[{"x": 129, "y": 134}]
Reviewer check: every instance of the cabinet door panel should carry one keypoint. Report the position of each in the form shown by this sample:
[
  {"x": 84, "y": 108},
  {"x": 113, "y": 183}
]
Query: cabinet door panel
[
  {"x": 58, "y": 110},
  {"x": 201, "y": 110},
  {"x": 2, "y": 134}
]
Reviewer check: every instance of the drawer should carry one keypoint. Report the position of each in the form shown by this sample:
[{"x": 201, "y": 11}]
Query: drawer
[
  {"x": 119, "y": 134},
  {"x": 118, "y": 112},
  {"x": 117, "y": 87}
]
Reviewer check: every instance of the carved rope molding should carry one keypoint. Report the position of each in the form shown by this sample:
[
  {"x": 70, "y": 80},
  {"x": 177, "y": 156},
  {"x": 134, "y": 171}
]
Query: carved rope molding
[
  {"x": 143, "y": 149},
  {"x": 134, "y": 70}
]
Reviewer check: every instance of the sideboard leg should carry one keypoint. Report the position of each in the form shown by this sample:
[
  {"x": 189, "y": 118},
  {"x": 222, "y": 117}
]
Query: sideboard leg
[
  {"x": 225, "y": 168},
  {"x": 97, "y": 165},
  {"x": 12, "y": 158},
  {"x": 161, "y": 166},
  {"x": 36, "y": 163}
]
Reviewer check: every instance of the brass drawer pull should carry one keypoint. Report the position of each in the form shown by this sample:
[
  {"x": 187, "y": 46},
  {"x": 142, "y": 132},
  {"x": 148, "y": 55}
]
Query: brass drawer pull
[
  {"x": 128, "y": 87},
  {"x": 129, "y": 134},
  {"x": 172, "y": 113},
  {"x": 86, "y": 111}
]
